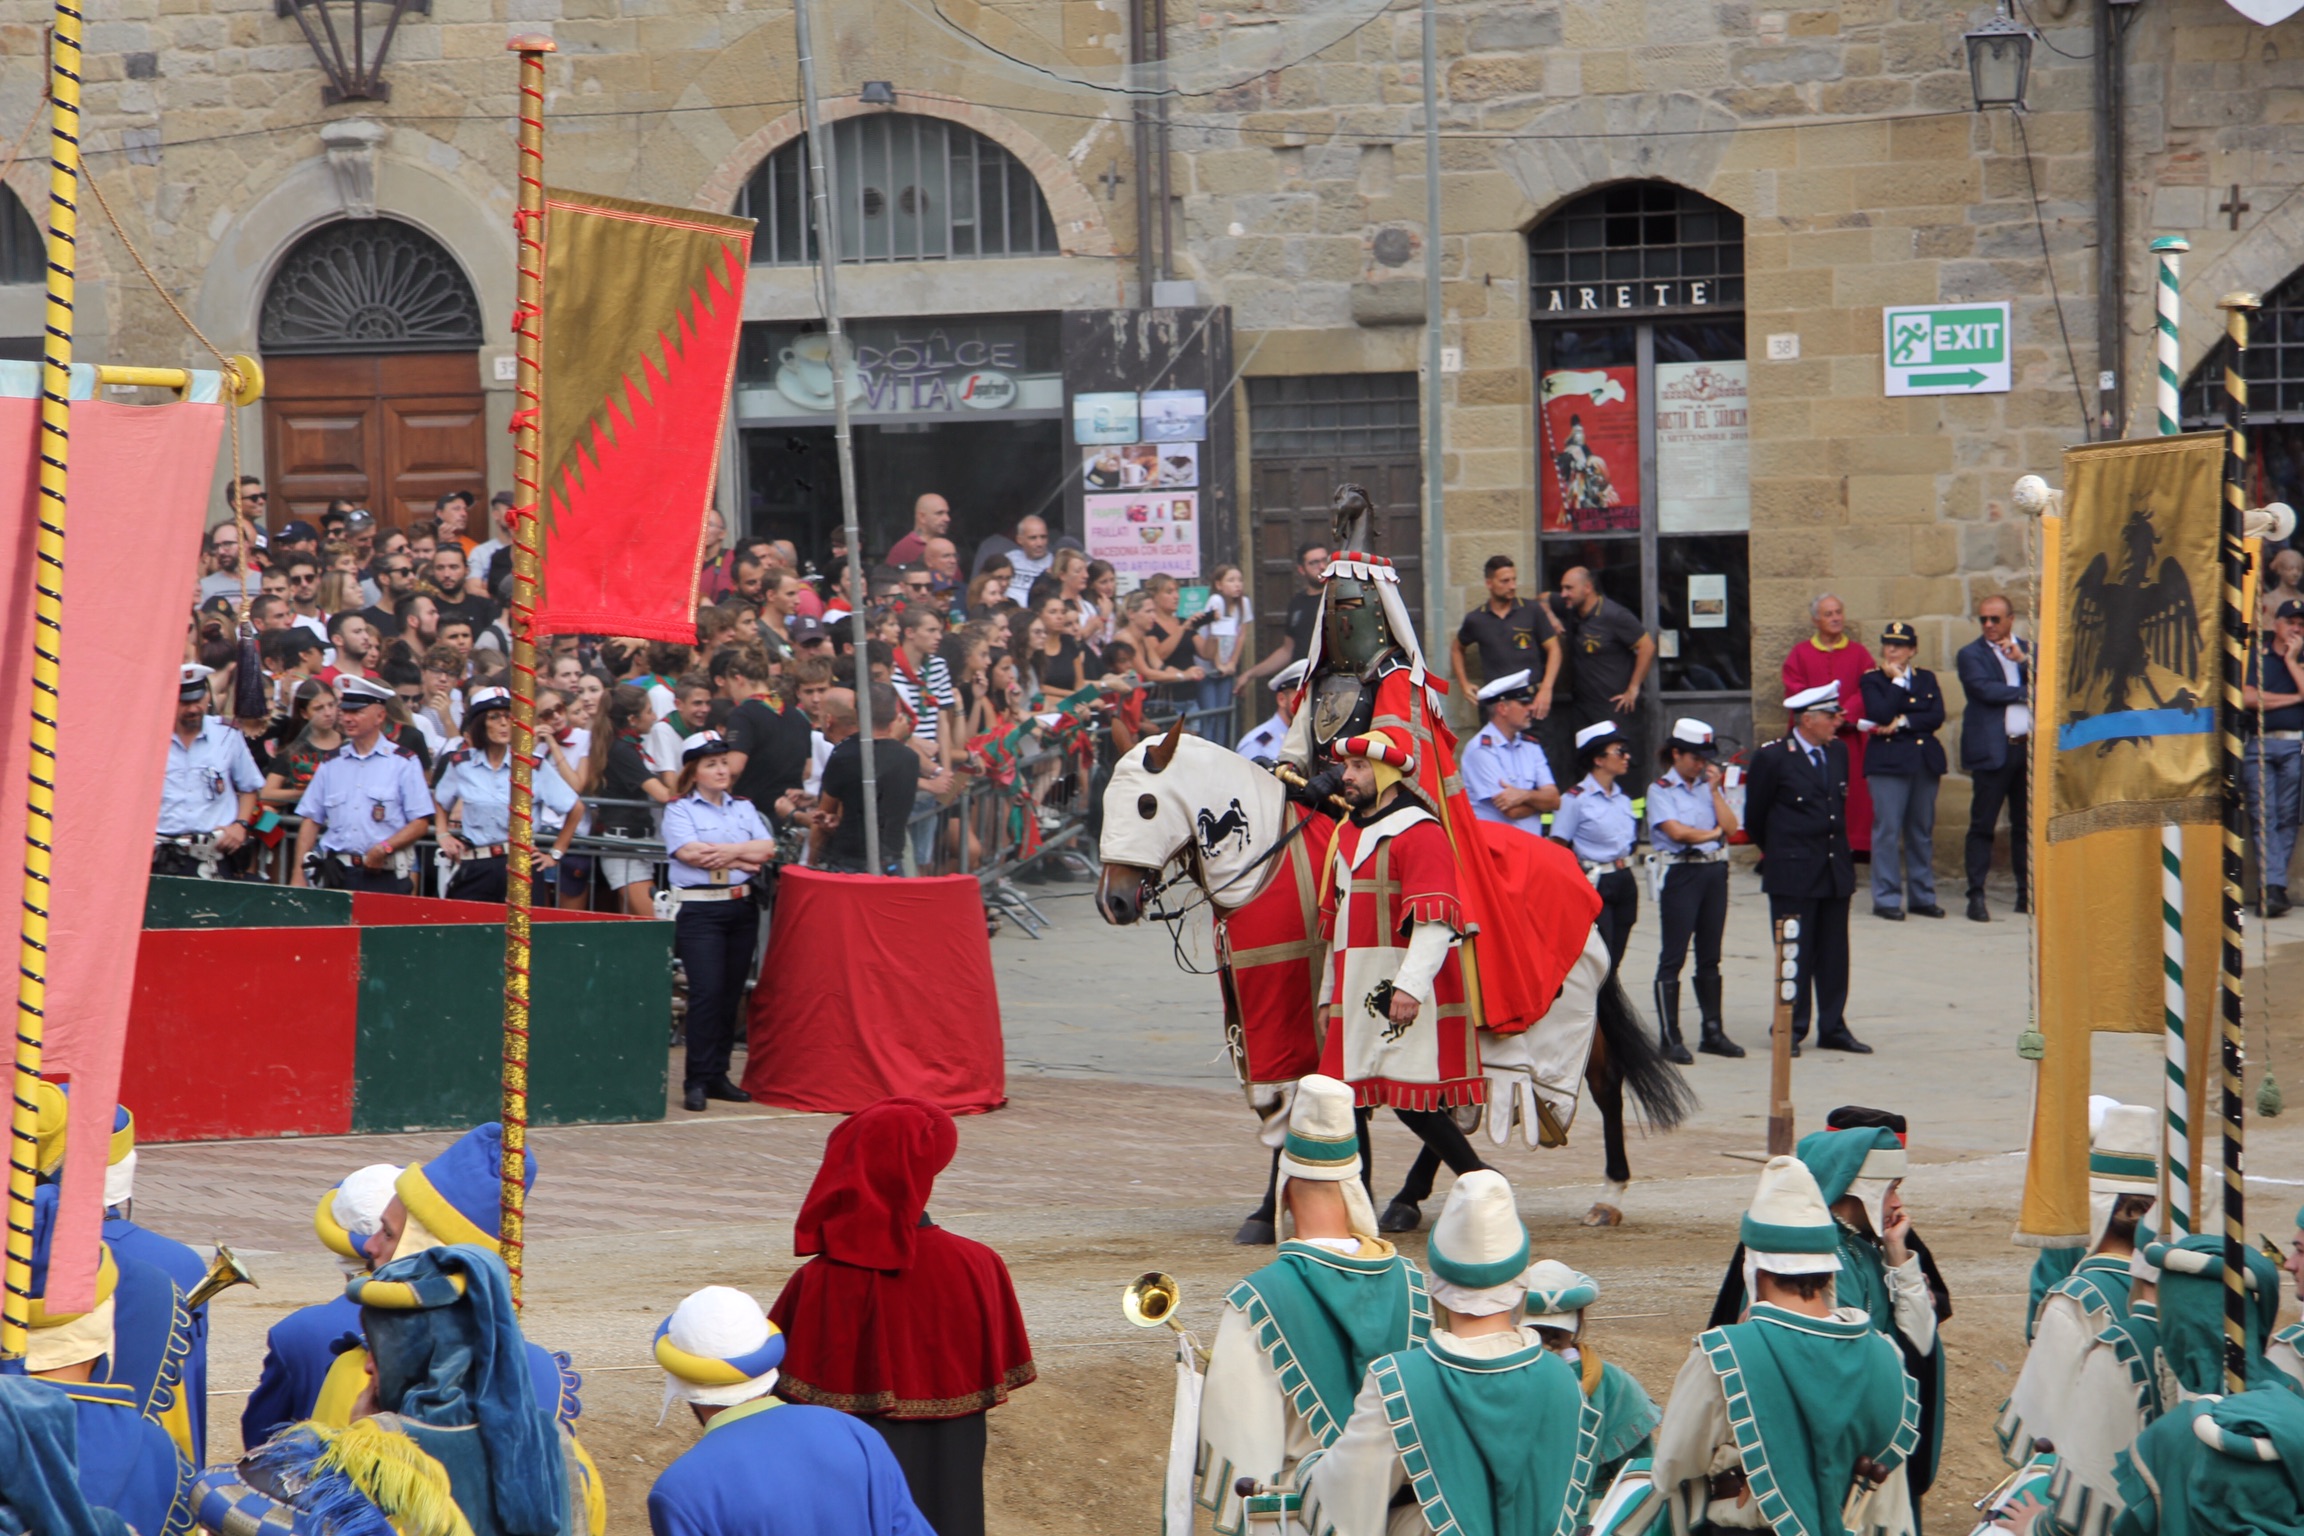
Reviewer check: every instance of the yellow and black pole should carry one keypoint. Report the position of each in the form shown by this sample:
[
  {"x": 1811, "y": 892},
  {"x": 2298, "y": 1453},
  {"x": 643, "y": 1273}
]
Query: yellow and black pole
[
  {"x": 528, "y": 430},
  {"x": 47, "y": 658},
  {"x": 2235, "y": 632}
]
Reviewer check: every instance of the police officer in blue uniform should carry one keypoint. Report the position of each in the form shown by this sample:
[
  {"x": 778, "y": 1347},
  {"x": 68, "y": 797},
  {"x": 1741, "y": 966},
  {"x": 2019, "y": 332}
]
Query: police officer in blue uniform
[
  {"x": 365, "y": 806},
  {"x": 208, "y": 798},
  {"x": 717, "y": 843},
  {"x": 1689, "y": 824},
  {"x": 474, "y": 793},
  {"x": 1796, "y": 808},
  {"x": 1505, "y": 773},
  {"x": 1902, "y": 766},
  {"x": 1597, "y": 822}
]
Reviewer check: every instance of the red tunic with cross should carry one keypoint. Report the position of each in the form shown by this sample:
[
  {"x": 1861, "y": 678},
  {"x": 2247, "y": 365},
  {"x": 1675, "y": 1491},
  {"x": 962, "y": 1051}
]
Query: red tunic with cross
[{"x": 1388, "y": 876}]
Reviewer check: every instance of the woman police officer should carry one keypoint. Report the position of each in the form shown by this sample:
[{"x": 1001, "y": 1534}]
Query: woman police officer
[
  {"x": 717, "y": 842},
  {"x": 1689, "y": 823},
  {"x": 474, "y": 794}
]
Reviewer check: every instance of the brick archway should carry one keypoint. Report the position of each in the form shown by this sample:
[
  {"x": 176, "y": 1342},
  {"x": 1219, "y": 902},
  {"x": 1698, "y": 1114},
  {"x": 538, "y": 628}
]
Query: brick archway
[{"x": 1080, "y": 226}]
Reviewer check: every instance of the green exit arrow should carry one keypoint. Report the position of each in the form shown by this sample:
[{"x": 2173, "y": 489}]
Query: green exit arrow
[{"x": 1967, "y": 379}]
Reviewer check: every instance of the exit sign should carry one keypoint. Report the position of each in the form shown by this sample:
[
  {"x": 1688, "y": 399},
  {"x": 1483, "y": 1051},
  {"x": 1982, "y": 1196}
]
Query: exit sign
[{"x": 1946, "y": 349}]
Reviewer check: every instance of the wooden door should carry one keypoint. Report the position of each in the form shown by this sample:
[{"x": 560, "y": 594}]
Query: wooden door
[
  {"x": 1308, "y": 435},
  {"x": 390, "y": 432}
]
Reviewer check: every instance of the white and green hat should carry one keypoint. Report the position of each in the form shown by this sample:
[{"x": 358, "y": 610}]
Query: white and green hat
[
  {"x": 1558, "y": 1295},
  {"x": 1789, "y": 1230},
  {"x": 2123, "y": 1159},
  {"x": 1479, "y": 1244},
  {"x": 1323, "y": 1147}
]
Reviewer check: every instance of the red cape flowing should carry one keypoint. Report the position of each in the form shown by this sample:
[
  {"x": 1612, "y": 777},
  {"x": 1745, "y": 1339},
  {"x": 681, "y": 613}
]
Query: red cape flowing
[
  {"x": 1806, "y": 667},
  {"x": 895, "y": 1316}
]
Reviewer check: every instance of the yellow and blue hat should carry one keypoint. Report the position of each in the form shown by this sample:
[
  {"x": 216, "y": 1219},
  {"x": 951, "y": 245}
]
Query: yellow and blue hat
[
  {"x": 458, "y": 1195},
  {"x": 53, "y": 1104},
  {"x": 348, "y": 1213},
  {"x": 718, "y": 1349},
  {"x": 713, "y": 1370}
]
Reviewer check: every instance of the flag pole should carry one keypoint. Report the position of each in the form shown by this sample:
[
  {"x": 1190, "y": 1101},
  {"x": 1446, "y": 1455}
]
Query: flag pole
[
  {"x": 2233, "y": 557},
  {"x": 47, "y": 670},
  {"x": 527, "y": 432},
  {"x": 827, "y": 232},
  {"x": 2176, "y": 1152}
]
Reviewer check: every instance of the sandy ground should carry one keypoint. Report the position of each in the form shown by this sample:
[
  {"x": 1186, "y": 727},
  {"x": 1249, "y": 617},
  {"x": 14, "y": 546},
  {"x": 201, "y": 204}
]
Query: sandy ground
[{"x": 1121, "y": 1151}]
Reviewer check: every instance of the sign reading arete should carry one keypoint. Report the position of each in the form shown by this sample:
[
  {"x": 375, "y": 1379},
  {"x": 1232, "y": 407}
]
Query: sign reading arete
[{"x": 1946, "y": 349}]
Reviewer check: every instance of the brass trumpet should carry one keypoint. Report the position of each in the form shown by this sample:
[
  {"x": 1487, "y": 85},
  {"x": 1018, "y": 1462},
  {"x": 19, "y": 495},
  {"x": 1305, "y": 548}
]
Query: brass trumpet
[
  {"x": 1151, "y": 1302},
  {"x": 224, "y": 1272}
]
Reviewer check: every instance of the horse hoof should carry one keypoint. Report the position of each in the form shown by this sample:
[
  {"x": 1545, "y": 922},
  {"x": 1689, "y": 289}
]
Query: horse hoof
[
  {"x": 1603, "y": 1214},
  {"x": 1400, "y": 1216},
  {"x": 1256, "y": 1233}
]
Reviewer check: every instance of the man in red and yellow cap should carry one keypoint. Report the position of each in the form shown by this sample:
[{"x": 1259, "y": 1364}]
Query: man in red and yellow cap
[{"x": 1401, "y": 1028}]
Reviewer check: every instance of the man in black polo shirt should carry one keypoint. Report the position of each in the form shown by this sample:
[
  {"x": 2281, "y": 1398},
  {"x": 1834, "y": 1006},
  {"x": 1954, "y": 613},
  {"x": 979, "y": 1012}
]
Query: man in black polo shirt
[
  {"x": 1507, "y": 633},
  {"x": 2272, "y": 763},
  {"x": 1303, "y": 618},
  {"x": 896, "y": 780},
  {"x": 1609, "y": 653},
  {"x": 767, "y": 745}
]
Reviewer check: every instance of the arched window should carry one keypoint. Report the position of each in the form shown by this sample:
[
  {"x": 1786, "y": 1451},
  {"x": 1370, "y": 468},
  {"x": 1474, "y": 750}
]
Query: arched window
[
  {"x": 911, "y": 188},
  {"x": 1637, "y": 294},
  {"x": 2274, "y": 369},
  {"x": 23, "y": 254},
  {"x": 369, "y": 285}
]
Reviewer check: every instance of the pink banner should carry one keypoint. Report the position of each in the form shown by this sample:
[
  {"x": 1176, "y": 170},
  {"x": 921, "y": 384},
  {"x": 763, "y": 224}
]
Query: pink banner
[{"x": 141, "y": 478}]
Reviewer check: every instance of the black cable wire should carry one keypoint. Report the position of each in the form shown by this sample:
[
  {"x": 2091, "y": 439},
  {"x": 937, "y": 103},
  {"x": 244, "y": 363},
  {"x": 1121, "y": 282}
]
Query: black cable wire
[
  {"x": 2055, "y": 296},
  {"x": 1134, "y": 93},
  {"x": 2043, "y": 36}
]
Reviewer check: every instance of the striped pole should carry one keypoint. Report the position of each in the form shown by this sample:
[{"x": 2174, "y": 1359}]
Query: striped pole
[
  {"x": 47, "y": 576},
  {"x": 2176, "y": 1158},
  {"x": 527, "y": 438},
  {"x": 2233, "y": 555}
]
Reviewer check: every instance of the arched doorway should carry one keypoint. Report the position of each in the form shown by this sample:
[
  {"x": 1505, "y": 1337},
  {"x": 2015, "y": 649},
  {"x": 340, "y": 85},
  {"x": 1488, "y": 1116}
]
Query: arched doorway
[
  {"x": 2275, "y": 372},
  {"x": 23, "y": 267},
  {"x": 1637, "y": 296},
  {"x": 371, "y": 336}
]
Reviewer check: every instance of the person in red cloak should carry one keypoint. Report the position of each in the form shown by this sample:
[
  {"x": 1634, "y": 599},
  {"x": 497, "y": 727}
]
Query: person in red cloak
[
  {"x": 1832, "y": 655},
  {"x": 909, "y": 1327}
]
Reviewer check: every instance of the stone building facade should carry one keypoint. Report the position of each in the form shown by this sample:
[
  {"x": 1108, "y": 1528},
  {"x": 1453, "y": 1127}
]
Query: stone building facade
[{"x": 1807, "y": 166}]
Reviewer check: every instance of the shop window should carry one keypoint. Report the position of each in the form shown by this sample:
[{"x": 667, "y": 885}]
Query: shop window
[
  {"x": 23, "y": 255},
  {"x": 910, "y": 188},
  {"x": 2274, "y": 369},
  {"x": 1641, "y": 418}
]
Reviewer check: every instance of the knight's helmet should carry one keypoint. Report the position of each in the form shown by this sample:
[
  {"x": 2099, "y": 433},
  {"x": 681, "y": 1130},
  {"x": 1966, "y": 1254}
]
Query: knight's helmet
[{"x": 1356, "y": 636}]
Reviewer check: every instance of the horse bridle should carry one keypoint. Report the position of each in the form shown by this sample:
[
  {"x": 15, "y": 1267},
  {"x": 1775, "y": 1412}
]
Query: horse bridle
[{"x": 1188, "y": 859}]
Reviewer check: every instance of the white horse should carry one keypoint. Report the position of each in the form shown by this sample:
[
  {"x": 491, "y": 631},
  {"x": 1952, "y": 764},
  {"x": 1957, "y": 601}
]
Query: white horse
[{"x": 1257, "y": 860}]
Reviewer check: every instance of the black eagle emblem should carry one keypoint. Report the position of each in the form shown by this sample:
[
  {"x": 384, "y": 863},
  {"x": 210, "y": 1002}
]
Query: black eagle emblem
[{"x": 2123, "y": 628}]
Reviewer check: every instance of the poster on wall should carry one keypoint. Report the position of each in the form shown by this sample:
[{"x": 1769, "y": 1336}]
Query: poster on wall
[
  {"x": 1140, "y": 466},
  {"x": 1109, "y": 417},
  {"x": 1175, "y": 415},
  {"x": 1707, "y": 601},
  {"x": 1144, "y": 533},
  {"x": 1591, "y": 450},
  {"x": 1703, "y": 451}
]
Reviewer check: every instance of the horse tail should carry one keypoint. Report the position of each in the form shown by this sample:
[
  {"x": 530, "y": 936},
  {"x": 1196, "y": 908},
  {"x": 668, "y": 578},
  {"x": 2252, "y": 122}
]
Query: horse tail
[{"x": 1661, "y": 1094}]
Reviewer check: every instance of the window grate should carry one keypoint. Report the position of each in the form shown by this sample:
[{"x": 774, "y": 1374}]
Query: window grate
[
  {"x": 2274, "y": 367},
  {"x": 911, "y": 188},
  {"x": 370, "y": 285},
  {"x": 1332, "y": 415},
  {"x": 23, "y": 254},
  {"x": 1669, "y": 247}
]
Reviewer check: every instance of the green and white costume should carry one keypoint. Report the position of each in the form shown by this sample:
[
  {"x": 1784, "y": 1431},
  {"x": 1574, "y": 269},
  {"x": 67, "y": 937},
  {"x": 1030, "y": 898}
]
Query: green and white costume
[
  {"x": 1297, "y": 1337},
  {"x": 2284, "y": 1351},
  {"x": 1557, "y": 1297},
  {"x": 1489, "y": 1433},
  {"x": 1769, "y": 1418},
  {"x": 2218, "y": 1466},
  {"x": 2121, "y": 1387}
]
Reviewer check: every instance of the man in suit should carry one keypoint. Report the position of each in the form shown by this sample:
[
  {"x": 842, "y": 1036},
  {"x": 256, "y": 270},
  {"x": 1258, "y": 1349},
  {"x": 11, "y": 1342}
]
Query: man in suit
[
  {"x": 1796, "y": 808},
  {"x": 1995, "y": 742}
]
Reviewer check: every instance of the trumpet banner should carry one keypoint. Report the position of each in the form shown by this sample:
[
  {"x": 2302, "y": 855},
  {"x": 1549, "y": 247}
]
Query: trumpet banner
[
  {"x": 2132, "y": 698},
  {"x": 643, "y": 308}
]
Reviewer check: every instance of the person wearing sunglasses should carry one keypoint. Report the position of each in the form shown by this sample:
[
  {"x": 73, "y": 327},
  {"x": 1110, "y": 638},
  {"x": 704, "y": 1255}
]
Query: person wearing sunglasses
[
  {"x": 1796, "y": 810},
  {"x": 1996, "y": 673}
]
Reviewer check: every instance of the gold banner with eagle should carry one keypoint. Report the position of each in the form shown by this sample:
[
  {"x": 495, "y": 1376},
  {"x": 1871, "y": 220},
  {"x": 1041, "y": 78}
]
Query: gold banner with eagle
[{"x": 2132, "y": 695}]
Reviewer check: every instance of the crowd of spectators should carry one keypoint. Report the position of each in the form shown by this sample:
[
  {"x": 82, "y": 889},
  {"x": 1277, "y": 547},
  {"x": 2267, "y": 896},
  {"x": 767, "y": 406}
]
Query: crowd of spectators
[{"x": 1010, "y": 674}]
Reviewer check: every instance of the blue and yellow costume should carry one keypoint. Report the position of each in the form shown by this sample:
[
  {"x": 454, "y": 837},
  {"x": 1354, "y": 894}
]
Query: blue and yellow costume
[
  {"x": 300, "y": 1349},
  {"x": 40, "y": 1465}
]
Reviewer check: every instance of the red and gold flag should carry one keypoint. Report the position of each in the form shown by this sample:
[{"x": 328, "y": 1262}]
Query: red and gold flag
[{"x": 643, "y": 305}]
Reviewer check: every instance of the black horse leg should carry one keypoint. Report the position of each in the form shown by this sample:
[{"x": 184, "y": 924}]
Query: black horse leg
[
  {"x": 1607, "y": 1085},
  {"x": 1269, "y": 1209},
  {"x": 1443, "y": 1142}
]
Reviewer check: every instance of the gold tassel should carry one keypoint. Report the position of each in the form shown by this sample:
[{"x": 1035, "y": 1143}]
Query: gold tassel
[{"x": 398, "y": 1477}]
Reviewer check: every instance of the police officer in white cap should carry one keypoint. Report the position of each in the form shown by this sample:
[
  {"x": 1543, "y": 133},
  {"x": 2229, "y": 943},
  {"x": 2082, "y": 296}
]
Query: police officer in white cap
[
  {"x": 1263, "y": 743},
  {"x": 474, "y": 793},
  {"x": 1506, "y": 776},
  {"x": 365, "y": 806},
  {"x": 717, "y": 844},
  {"x": 1689, "y": 824},
  {"x": 1597, "y": 822},
  {"x": 1796, "y": 808},
  {"x": 208, "y": 798}
]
